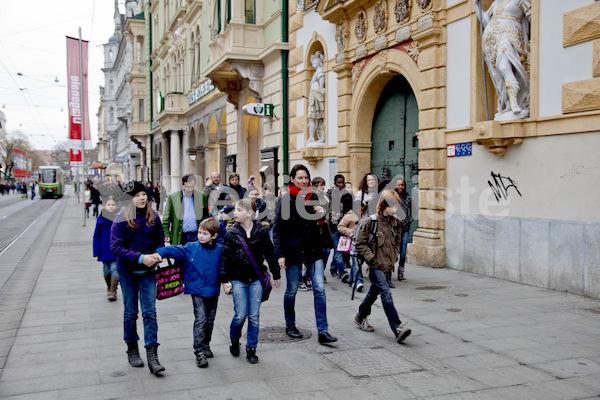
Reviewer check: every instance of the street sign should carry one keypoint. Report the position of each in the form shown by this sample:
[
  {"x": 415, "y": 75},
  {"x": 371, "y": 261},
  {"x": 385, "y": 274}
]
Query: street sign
[
  {"x": 258, "y": 109},
  {"x": 459, "y": 149}
]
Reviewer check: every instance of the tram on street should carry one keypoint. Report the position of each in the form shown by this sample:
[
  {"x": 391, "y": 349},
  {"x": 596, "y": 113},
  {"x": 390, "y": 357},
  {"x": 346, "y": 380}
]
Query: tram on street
[{"x": 51, "y": 182}]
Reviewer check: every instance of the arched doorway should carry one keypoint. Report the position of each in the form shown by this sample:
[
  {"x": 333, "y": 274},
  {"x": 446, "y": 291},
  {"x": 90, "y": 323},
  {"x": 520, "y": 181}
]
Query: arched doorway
[{"x": 394, "y": 140}]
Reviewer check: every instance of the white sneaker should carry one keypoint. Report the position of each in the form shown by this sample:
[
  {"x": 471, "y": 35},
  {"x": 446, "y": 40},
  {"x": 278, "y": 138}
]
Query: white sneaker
[
  {"x": 402, "y": 332},
  {"x": 363, "y": 323}
]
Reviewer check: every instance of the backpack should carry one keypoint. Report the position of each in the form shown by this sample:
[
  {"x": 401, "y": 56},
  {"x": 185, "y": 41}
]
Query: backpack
[{"x": 353, "y": 251}]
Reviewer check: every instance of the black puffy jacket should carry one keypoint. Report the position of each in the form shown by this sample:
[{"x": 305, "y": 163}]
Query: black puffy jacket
[
  {"x": 235, "y": 264},
  {"x": 295, "y": 238}
]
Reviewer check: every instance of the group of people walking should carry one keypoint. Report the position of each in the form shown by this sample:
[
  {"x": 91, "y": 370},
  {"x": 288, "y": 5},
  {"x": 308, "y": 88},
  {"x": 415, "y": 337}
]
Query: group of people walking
[{"x": 224, "y": 237}]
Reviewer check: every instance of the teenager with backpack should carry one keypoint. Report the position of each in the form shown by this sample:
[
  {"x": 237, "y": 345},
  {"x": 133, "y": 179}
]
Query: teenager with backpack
[{"x": 380, "y": 251}]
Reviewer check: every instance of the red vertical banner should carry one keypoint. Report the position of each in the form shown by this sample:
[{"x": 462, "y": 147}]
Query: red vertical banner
[
  {"x": 77, "y": 86},
  {"x": 75, "y": 158}
]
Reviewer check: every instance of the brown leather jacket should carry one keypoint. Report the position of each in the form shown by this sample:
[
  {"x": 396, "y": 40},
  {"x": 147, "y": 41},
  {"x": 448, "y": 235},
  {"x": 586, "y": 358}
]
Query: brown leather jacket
[{"x": 386, "y": 241}]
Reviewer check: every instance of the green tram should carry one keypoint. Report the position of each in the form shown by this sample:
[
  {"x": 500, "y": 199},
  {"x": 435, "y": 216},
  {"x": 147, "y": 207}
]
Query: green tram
[{"x": 51, "y": 182}]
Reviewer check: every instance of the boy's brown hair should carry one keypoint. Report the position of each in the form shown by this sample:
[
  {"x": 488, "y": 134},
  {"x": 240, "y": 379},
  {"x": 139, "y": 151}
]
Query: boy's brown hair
[{"x": 211, "y": 225}]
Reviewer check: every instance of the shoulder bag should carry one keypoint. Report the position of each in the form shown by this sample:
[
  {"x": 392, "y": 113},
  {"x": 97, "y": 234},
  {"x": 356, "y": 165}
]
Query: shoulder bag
[{"x": 264, "y": 277}]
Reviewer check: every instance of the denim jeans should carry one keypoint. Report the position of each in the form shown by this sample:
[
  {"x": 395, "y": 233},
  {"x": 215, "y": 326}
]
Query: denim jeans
[
  {"x": 205, "y": 309},
  {"x": 246, "y": 303},
  {"x": 109, "y": 268},
  {"x": 292, "y": 273},
  {"x": 140, "y": 287},
  {"x": 337, "y": 262},
  {"x": 354, "y": 272},
  {"x": 379, "y": 286},
  {"x": 403, "y": 245}
]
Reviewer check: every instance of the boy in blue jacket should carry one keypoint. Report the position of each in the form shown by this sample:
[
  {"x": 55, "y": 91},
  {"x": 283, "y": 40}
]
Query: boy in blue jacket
[{"x": 201, "y": 274}]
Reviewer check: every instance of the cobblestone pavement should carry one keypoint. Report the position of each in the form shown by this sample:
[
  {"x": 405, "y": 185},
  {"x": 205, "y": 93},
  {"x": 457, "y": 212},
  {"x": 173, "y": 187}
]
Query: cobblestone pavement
[{"x": 473, "y": 338}]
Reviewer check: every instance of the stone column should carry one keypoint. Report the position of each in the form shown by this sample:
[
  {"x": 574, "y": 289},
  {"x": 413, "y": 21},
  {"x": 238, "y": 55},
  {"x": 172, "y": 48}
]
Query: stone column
[
  {"x": 428, "y": 246},
  {"x": 184, "y": 153},
  {"x": 164, "y": 176},
  {"x": 344, "y": 116},
  {"x": 175, "y": 153}
]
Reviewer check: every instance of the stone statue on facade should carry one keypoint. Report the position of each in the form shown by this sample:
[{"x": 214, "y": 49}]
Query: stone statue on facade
[
  {"x": 316, "y": 102},
  {"x": 505, "y": 41}
]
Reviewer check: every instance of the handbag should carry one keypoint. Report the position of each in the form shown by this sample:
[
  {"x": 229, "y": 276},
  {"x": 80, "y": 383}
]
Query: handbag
[
  {"x": 344, "y": 244},
  {"x": 169, "y": 281},
  {"x": 264, "y": 277}
]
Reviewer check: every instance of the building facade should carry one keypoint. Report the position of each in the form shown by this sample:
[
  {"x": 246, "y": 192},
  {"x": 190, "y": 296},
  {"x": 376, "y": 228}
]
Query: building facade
[
  {"x": 400, "y": 88},
  {"x": 407, "y": 94},
  {"x": 119, "y": 124}
]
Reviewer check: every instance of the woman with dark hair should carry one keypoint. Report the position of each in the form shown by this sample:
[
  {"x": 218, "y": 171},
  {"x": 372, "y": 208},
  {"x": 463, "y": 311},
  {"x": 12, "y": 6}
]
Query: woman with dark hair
[
  {"x": 136, "y": 233},
  {"x": 406, "y": 218},
  {"x": 297, "y": 241},
  {"x": 367, "y": 191}
]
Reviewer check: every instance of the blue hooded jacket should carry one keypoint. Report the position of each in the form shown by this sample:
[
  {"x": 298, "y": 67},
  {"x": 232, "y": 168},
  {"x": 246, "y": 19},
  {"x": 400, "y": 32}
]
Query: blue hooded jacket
[{"x": 102, "y": 240}]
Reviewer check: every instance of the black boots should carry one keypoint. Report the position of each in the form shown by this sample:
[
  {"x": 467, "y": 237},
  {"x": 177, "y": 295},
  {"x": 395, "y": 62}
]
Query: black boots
[
  {"x": 293, "y": 332},
  {"x": 153, "y": 363},
  {"x": 234, "y": 347},
  {"x": 251, "y": 355},
  {"x": 326, "y": 338},
  {"x": 133, "y": 355}
]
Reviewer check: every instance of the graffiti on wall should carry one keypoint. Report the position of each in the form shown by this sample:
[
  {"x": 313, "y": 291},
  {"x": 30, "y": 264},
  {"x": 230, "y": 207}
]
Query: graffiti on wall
[
  {"x": 500, "y": 186},
  {"x": 575, "y": 170}
]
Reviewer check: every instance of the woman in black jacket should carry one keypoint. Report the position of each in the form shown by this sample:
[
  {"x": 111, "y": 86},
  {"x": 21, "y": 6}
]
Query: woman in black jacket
[
  {"x": 238, "y": 274},
  {"x": 297, "y": 240}
]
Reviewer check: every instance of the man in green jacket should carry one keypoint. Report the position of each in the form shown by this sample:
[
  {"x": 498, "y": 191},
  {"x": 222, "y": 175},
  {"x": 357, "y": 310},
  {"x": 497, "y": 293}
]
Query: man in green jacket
[{"x": 184, "y": 211}]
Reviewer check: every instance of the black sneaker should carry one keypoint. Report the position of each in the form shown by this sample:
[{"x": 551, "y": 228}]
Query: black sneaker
[
  {"x": 293, "y": 332},
  {"x": 208, "y": 352},
  {"x": 360, "y": 287},
  {"x": 345, "y": 278},
  {"x": 201, "y": 360}
]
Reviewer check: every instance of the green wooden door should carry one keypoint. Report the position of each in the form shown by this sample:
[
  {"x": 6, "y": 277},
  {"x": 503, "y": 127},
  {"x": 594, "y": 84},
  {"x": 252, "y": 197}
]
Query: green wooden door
[{"x": 395, "y": 146}]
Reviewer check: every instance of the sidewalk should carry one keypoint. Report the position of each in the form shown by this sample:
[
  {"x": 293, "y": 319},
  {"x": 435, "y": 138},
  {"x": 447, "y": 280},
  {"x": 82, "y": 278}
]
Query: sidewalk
[{"x": 473, "y": 338}]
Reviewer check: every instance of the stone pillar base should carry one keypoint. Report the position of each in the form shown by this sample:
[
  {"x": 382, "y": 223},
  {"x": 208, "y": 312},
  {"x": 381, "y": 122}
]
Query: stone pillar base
[{"x": 426, "y": 255}]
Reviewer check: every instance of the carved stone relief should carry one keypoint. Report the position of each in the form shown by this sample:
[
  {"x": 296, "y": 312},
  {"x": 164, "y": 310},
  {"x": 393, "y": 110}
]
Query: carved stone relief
[
  {"x": 361, "y": 26},
  {"x": 340, "y": 35},
  {"x": 424, "y": 4},
  {"x": 402, "y": 11},
  {"x": 380, "y": 17}
]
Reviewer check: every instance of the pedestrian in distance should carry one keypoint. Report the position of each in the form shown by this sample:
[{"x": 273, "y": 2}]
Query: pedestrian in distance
[
  {"x": 405, "y": 215},
  {"x": 87, "y": 197},
  {"x": 201, "y": 274},
  {"x": 340, "y": 203},
  {"x": 297, "y": 241},
  {"x": 135, "y": 235},
  {"x": 347, "y": 227},
  {"x": 367, "y": 191},
  {"x": 183, "y": 212},
  {"x": 379, "y": 248},
  {"x": 101, "y": 247},
  {"x": 247, "y": 245},
  {"x": 95, "y": 199}
]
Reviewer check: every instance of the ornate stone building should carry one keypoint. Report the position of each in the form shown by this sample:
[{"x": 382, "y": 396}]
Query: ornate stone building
[
  {"x": 407, "y": 94},
  {"x": 117, "y": 142}
]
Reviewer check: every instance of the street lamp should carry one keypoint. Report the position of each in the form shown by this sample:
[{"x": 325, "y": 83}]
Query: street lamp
[{"x": 193, "y": 157}]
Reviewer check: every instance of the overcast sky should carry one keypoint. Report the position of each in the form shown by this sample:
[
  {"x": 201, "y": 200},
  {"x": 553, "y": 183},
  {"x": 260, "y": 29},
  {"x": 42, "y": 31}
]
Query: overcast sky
[{"x": 33, "y": 43}]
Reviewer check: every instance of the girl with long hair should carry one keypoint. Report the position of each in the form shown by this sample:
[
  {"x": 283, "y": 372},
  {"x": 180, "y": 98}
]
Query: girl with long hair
[{"x": 136, "y": 233}]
